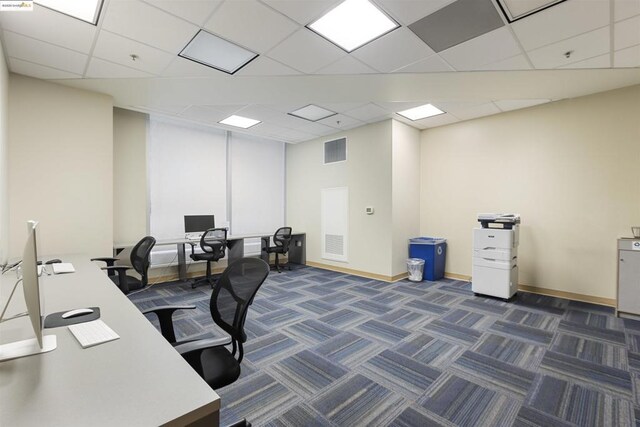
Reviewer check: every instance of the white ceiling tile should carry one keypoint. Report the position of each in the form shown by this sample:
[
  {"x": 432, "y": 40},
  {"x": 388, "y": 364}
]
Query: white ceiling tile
[
  {"x": 52, "y": 27},
  {"x": 626, "y": 33},
  {"x": 346, "y": 65},
  {"x": 313, "y": 128},
  {"x": 146, "y": 24},
  {"x": 602, "y": 61},
  {"x": 433, "y": 64},
  {"x": 409, "y": 11},
  {"x": 342, "y": 122},
  {"x": 341, "y": 107},
  {"x": 196, "y": 11},
  {"x": 453, "y": 106},
  {"x": 431, "y": 122},
  {"x": 173, "y": 110},
  {"x": 306, "y": 51},
  {"x": 250, "y": 24},
  {"x": 584, "y": 46},
  {"x": 30, "y": 69},
  {"x": 561, "y": 21},
  {"x": 627, "y": 58},
  {"x": 488, "y": 48},
  {"x": 101, "y": 69},
  {"x": 625, "y": 9},
  {"x": 395, "y": 50},
  {"x": 36, "y": 51},
  {"x": 367, "y": 112},
  {"x": 265, "y": 66},
  {"x": 516, "y": 104},
  {"x": 258, "y": 112},
  {"x": 118, "y": 49},
  {"x": 395, "y": 106},
  {"x": 475, "y": 111},
  {"x": 302, "y": 11},
  {"x": 181, "y": 67},
  {"x": 291, "y": 122},
  {"x": 518, "y": 62},
  {"x": 205, "y": 114}
]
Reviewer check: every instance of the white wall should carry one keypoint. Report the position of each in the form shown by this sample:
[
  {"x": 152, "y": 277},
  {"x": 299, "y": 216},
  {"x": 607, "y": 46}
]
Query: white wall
[
  {"x": 367, "y": 174},
  {"x": 4, "y": 160},
  {"x": 130, "y": 207},
  {"x": 61, "y": 167},
  {"x": 405, "y": 142},
  {"x": 570, "y": 168}
]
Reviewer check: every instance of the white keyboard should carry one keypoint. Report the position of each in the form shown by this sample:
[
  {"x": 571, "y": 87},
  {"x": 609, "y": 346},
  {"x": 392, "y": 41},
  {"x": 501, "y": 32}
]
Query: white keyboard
[{"x": 93, "y": 333}]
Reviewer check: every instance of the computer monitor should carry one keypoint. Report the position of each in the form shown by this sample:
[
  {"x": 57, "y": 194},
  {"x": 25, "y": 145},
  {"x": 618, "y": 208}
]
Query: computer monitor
[
  {"x": 31, "y": 290},
  {"x": 198, "y": 223}
]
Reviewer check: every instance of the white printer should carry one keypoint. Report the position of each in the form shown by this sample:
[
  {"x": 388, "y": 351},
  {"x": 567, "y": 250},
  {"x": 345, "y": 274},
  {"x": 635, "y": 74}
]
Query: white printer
[{"x": 495, "y": 255}]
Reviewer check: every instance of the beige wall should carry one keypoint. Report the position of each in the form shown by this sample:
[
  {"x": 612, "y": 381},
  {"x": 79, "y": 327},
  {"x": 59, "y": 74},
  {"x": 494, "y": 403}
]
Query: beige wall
[
  {"x": 367, "y": 174},
  {"x": 4, "y": 159},
  {"x": 570, "y": 168},
  {"x": 405, "y": 142},
  {"x": 130, "y": 204},
  {"x": 61, "y": 167}
]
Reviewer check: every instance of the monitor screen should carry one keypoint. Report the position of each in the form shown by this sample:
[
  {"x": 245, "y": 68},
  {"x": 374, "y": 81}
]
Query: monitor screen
[
  {"x": 30, "y": 284},
  {"x": 198, "y": 223}
]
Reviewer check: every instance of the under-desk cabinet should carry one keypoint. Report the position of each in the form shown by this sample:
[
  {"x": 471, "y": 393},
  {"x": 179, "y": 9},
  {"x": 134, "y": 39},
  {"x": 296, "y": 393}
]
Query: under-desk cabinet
[{"x": 629, "y": 276}]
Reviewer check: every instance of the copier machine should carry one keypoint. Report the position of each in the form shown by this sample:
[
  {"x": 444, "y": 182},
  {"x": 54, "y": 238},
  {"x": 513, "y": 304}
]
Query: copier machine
[{"x": 495, "y": 255}]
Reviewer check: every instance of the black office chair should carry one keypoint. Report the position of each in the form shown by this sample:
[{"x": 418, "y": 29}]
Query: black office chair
[
  {"x": 281, "y": 241},
  {"x": 213, "y": 243},
  {"x": 139, "y": 259},
  {"x": 230, "y": 301}
]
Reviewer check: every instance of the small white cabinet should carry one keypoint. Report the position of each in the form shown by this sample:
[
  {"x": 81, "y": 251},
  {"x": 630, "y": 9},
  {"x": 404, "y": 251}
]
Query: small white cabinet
[{"x": 629, "y": 276}]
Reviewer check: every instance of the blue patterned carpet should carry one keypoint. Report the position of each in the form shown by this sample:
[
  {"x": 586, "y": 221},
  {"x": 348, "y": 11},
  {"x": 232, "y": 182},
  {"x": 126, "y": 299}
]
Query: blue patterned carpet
[{"x": 330, "y": 349}]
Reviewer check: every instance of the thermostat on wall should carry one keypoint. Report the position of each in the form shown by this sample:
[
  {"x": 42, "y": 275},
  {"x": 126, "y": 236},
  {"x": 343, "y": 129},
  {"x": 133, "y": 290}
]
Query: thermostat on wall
[{"x": 369, "y": 210}]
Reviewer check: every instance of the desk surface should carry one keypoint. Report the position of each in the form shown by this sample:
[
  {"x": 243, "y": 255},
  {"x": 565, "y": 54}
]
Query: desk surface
[
  {"x": 138, "y": 379},
  {"x": 182, "y": 240}
]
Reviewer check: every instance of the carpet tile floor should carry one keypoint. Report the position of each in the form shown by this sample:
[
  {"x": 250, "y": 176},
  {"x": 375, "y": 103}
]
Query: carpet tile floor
[{"x": 331, "y": 349}]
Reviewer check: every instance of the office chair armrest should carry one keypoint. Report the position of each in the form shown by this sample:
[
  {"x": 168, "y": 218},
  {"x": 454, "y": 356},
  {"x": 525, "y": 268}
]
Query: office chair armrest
[
  {"x": 200, "y": 345},
  {"x": 109, "y": 260},
  {"x": 192, "y": 351},
  {"x": 165, "y": 316}
]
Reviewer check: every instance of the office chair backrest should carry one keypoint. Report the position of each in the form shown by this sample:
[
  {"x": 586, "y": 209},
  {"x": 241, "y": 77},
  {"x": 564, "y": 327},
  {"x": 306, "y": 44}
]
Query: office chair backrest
[
  {"x": 214, "y": 241},
  {"x": 234, "y": 292},
  {"x": 282, "y": 237},
  {"x": 140, "y": 256}
]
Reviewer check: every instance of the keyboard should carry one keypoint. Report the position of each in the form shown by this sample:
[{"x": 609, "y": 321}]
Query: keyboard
[{"x": 93, "y": 333}]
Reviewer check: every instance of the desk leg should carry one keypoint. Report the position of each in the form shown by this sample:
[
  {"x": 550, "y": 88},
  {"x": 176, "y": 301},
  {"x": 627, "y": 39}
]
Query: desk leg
[
  {"x": 236, "y": 249},
  {"x": 297, "y": 249},
  {"x": 264, "y": 244},
  {"x": 182, "y": 262}
]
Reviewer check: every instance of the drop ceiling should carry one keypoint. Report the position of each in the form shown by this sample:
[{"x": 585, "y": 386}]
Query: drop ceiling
[{"x": 464, "y": 57}]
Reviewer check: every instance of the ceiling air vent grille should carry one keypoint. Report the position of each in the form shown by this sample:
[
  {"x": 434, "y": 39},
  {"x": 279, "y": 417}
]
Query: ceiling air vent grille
[{"x": 335, "y": 151}]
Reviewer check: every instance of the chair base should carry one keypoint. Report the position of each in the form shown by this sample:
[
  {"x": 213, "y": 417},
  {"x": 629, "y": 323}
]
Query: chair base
[{"x": 210, "y": 280}]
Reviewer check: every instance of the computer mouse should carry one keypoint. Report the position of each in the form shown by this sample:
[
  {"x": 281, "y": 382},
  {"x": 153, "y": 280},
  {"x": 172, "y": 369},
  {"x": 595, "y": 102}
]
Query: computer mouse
[
  {"x": 53, "y": 261},
  {"x": 77, "y": 312}
]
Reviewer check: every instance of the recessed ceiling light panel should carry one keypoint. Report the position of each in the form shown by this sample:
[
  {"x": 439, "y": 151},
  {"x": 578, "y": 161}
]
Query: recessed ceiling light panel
[
  {"x": 85, "y": 10},
  {"x": 353, "y": 23},
  {"x": 218, "y": 53},
  {"x": 313, "y": 113},
  {"x": 239, "y": 122},
  {"x": 421, "y": 112},
  {"x": 518, "y": 9}
]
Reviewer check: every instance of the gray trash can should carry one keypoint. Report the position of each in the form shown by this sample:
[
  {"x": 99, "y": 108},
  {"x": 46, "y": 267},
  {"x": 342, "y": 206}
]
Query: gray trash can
[{"x": 415, "y": 268}]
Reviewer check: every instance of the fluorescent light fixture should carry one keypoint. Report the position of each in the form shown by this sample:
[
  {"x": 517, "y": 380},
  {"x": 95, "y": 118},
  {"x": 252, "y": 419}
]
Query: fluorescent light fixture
[
  {"x": 239, "y": 122},
  {"x": 215, "y": 52},
  {"x": 518, "y": 9},
  {"x": 353, "y": 23},
  {"x": 421, "y": 112},
  {"x": 85, "y": 10},
  {"x": 313, "y": 113}
]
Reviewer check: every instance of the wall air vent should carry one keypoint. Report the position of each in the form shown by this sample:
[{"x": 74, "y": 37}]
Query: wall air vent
[{"x": 335, "y": 151}]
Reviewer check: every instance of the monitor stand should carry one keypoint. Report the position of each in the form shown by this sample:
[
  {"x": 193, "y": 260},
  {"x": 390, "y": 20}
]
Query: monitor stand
[{"x": 17, "y": 349}]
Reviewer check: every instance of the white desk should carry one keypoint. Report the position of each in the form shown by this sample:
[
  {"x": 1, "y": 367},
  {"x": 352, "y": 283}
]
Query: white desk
[
  {"x": 235, "y": 244},
  {"x": 138, "y": 379}
]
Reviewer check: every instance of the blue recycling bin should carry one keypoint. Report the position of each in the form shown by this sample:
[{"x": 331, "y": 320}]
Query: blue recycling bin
[{"x": 433, "y": 251}]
